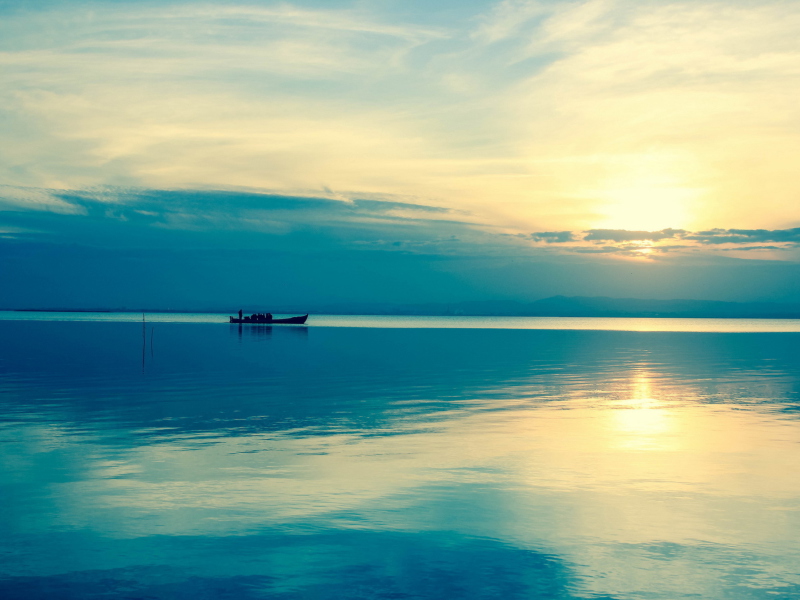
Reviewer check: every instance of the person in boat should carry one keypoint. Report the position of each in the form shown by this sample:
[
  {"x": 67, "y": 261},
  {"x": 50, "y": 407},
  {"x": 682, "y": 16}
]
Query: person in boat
[
  {"x": 268, "y": 316},
  {"x": 240, "y": 314}
]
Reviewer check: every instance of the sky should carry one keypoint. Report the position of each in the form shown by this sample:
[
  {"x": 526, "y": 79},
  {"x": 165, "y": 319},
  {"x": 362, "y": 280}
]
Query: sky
[{"x": 180, "y": 153}]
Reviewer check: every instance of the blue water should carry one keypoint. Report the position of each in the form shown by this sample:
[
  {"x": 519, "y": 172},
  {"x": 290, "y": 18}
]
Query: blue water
[{"x": 377, "y": 460}]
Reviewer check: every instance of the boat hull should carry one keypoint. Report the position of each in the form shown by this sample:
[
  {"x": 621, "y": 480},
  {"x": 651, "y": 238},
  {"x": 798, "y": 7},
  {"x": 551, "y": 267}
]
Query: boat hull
[{"x": 289, "y": 321}]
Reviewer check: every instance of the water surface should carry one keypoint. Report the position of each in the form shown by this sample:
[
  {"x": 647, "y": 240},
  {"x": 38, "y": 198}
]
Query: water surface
[{"x": 213, "y": 461}]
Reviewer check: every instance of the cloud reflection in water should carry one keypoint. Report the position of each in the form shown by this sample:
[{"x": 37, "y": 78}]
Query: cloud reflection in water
[{"x": 404, "y": 461}]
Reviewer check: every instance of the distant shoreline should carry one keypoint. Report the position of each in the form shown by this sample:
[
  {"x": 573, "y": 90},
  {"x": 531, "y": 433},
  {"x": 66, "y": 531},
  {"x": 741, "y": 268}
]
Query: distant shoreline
[
  {"x": 69, "y": 310},
  {"x": 556, "y": 306},
  {"x": 399, "y": 314}
]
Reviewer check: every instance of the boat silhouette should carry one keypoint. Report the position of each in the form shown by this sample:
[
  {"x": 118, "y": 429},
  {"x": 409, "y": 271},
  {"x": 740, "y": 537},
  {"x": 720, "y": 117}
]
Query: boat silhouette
[{"x": 267, "y": 318}]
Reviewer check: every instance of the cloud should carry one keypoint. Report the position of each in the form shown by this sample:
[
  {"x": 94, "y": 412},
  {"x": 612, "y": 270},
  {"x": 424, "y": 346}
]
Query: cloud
[
  {"x": 746, "y": 236},
  {"x": 506, "y": 19},
  {"x": 553, "y": 237},
  {"x": 639, "y": 243},
  {"x": 16, "y": 198},
  {"x": 145, "y": 247},
  {"x": 589, "y": 115},
  {"x": 620, "y": 235},
  {"x": 661, "y": 106},
  {"x": 127, "y": 216},
  {"x": 135, "y": 217}
]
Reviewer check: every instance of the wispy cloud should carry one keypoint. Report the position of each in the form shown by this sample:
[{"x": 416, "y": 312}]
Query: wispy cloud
[
  {"x": 127, "y": 245},
  {"x": 598, "y": 114},
  {"x": 133, "y": 217},
  {"x": 646, "y": 243},
  {"x": 622, "y": 235},
  {"x": 553, "y": 237},
  {"x": 34, "y": 199},
  {"x": 127, "y": 215},
  {"x": 746, "y": 236}
]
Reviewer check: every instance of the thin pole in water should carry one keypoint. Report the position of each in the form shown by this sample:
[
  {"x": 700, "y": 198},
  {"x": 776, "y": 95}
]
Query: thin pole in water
[{"x": 144, "y": 340}]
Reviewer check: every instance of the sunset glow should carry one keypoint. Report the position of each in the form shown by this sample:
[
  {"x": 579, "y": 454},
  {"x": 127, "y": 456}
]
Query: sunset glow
[{"x": 597, "y": 131}]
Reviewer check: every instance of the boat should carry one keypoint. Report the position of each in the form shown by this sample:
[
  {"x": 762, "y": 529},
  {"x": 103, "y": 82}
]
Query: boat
[{"x": 267, "y": 319}]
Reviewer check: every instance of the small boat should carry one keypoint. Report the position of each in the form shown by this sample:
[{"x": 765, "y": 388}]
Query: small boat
[{"x": 268, "y": 320}]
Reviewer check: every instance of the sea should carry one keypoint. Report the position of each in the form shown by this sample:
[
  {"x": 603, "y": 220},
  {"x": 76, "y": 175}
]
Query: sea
[{"x": 177, "y": 456}]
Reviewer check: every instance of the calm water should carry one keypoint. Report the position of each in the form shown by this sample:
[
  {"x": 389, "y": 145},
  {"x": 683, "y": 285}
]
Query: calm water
[{"x": 431, "y": 461}]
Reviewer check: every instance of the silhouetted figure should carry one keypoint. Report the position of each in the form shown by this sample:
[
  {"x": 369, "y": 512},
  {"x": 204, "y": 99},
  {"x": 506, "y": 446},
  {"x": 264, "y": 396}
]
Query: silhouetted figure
[
  {"x": 240, "y": 313},
  {"x": 268, "y": 316}
]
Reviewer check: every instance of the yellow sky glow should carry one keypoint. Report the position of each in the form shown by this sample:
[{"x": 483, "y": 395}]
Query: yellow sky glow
[{"x": 571, "y": 116}]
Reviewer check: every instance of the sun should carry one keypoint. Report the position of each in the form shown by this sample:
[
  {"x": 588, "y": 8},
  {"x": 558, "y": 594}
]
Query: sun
[
  {"x": 647, "y": 193},
  {"x": 648, "y": 208}
]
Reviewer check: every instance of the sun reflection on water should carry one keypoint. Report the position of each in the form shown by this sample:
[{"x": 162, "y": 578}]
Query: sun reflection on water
[
  {"x": 643, "y": 422},
  {"x": 641, "y": 457},
  {"x": 644, "y": 428}
]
